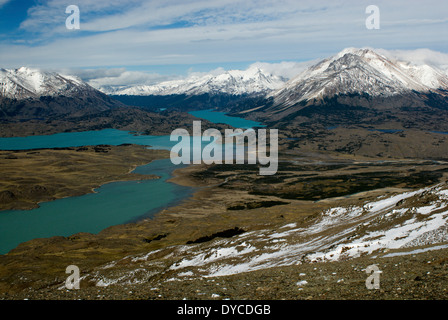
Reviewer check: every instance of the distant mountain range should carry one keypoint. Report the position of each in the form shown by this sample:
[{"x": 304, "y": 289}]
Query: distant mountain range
[
  {"x": 351, "y": 71},
  {"x": 355, "y": 86},
  {"x": 39, "y": 102},
  {"x": 252, "y": 81},
  {"x": 358, "y": 87}
]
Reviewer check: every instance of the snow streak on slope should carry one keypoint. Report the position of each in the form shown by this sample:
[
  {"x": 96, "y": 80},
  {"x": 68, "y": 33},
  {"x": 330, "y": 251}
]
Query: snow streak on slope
[{"x": 400, "y": 221}]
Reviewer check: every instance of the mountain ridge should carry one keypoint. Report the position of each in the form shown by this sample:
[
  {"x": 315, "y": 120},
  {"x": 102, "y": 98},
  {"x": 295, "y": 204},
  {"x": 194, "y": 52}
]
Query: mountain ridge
[
  {"x": 40, "y": 102},
  {"x": 28, "y": 93},
  {"x": 353, "y": 87},
  {"x": 233, "y": 82},
  {"x": 362, "y": 71},
  {"x": 24, "y": 82}
]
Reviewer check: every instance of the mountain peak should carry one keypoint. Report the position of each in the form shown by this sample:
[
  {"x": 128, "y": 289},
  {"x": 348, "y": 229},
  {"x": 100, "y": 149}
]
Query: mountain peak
[
  {"x": 25, "y": 82},
  {"x": 235, "y": 82},
  {"x": 21, "y": 91},
  {"x": 357, "y": 51},
  {"x": 360, "y": 71},
  {"x": 24, "y": 69}
]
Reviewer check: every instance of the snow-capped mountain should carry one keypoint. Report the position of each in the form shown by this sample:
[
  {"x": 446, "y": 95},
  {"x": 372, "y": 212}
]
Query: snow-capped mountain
[
  {"x": 360, "y": 71},
  {"x": 26, "y": 83},
  {"x": 27, "y": 93},
  {"x": 234, "y": 82}
]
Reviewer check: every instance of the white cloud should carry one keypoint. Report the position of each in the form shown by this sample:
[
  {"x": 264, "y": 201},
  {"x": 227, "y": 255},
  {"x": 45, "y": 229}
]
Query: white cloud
[
  {"x": 119, "y": 77},
  {"x": 135, "y": 33},
  {"x": 215, "y": 72},
  {"x": 420, "y": 57},
  {"x": 46, "y": 15},
  {"x": 102, "y": 15},
  {"x": 3, "y": 2},
  {"x": 284, "y": 69},
  {"x": 89, "y": 74}
]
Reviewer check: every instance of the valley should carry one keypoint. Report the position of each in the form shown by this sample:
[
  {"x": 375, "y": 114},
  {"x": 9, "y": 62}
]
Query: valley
[
  {"x": 271, "y": 224},
  {"x": 361, "y": 180},
  {"x": 265, "y": 221}
]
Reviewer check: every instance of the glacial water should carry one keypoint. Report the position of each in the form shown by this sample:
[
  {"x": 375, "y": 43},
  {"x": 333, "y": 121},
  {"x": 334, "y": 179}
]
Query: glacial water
[
  {"x": 111, "y": 204},
  {"x": 76, "y": 139},
  {"x": 221, "y": 117}
]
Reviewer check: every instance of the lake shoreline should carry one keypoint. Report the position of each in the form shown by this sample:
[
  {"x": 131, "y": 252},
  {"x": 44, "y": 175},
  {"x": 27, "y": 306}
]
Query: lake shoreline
[
  {"x": 213, "y": 208},
  {"x": 43, "y": 166}
]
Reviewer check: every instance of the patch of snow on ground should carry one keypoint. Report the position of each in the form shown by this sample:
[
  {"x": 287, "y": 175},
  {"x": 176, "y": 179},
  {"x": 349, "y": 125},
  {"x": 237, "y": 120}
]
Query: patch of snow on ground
[
  {"x": 427, "y": 209},
  {"x": 335, "y": 234},
  {"x": 393, "y": 238},
  {"x": 396, "y": 254}
]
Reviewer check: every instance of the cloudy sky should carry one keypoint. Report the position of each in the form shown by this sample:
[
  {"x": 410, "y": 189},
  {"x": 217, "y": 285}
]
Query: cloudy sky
[{"x": 146, "y": 41}]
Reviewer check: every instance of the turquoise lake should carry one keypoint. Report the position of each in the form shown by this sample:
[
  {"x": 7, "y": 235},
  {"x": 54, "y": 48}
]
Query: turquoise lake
[
  {"x": 221, "y": 117},
  {"x": 77, "y": 139},
  {"x": 112, "y": 204}
]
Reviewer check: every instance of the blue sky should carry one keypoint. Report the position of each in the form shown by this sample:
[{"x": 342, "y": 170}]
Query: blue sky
[{"x": 159, "y": 39}]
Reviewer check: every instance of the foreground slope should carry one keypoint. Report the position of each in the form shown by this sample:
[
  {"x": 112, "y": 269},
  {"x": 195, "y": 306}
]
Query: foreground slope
[{"x": 322, "y": 256}]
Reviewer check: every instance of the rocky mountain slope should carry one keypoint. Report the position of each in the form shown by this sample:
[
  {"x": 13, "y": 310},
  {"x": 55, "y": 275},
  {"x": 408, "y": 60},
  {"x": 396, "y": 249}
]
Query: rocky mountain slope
[
  {"x": 27, "y": 93},
  {"x": 40, "y": 102},
  {"x": 323, "y": 255},
  {"x": 353, "y": 86},
  {"x": 360, "y": 71},
  {"x": 388, "y": 226},
  {"x": 26, "y": 83}
]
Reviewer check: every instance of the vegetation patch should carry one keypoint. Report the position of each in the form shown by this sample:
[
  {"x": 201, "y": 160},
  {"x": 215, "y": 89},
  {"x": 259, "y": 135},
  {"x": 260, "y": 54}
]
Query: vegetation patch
[
  {"x": 221, "y": 234},
  {"x": 256, "y": 204}
]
